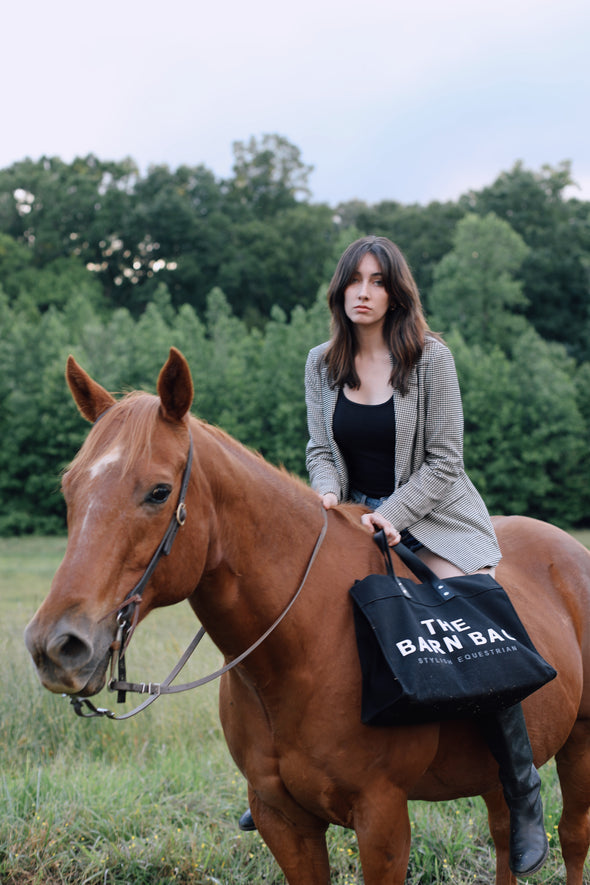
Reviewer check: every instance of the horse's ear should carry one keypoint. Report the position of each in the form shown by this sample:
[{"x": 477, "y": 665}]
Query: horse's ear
[
  {"x": 175, "y": 386},
  {"x": 90, "y": 397}
]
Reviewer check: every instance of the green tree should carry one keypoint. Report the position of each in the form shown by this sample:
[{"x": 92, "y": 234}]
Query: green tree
[
  {"x": 44, "y": 431},
  {"x": 60, "y": 209},
  {"x": 269, "y": 175},
  {"x": 279, "y": 383},
  {"x": 525, "y": 438},
  {"x": 555, "y": 271},
  {"x": 226, "y": 392},
  {"x": 475, "y": 289},
  {"x": 279, "y": 263},
  {"x": 15, "y": 265},
  {"x": 582, "y": 475},
  {"x": 180, "y": 227}
]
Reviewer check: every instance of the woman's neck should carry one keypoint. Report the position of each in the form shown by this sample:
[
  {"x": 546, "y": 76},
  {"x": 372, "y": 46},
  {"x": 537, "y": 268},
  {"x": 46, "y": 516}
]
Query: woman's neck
[
  {"x": 373, "y": 366},
  {"x": 370, "y": 341}
]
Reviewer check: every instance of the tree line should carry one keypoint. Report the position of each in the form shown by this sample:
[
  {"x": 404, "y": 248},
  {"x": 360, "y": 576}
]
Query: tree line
[{"x": 115, "y": 266}]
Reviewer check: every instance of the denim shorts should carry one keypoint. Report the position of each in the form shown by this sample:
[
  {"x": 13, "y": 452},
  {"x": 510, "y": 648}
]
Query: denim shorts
[{"x": 408, "y": 539}]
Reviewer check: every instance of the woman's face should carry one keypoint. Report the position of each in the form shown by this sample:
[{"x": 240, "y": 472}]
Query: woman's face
[{"x": 366, "y": 301}]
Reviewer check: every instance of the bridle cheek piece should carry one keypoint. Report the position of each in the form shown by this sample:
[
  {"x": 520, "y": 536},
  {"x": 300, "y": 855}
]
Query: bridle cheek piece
[{"x": 128, "y": 611}]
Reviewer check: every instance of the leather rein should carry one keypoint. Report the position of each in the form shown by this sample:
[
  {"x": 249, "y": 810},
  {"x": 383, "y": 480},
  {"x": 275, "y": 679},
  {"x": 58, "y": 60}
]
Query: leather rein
[{"x": 128, "y": 615}]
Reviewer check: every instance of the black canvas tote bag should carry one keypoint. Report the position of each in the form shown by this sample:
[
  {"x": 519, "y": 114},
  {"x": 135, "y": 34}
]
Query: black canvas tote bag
[{"x": 451, "y": 648}]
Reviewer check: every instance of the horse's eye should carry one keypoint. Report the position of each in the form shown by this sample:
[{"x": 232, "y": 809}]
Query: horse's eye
[{"x": 158, "y": 495}]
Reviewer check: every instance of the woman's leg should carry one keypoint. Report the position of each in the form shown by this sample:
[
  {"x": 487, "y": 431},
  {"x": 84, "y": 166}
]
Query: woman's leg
[
  {"x": 445, "y": 569},
  {"x": 506, "y": 735}
]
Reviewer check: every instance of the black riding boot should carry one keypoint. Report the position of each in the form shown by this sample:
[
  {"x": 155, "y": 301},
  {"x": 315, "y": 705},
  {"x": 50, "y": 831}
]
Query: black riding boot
[{"x": 508, "y": 740}]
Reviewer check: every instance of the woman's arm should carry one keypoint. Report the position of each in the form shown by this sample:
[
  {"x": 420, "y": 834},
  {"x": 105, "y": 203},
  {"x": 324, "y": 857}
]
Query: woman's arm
[{"x": 323, "y": 474}]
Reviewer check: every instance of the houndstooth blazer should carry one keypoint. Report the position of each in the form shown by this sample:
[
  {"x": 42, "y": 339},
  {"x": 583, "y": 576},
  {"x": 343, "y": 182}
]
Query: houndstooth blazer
[{"x": 433, "y": 495}]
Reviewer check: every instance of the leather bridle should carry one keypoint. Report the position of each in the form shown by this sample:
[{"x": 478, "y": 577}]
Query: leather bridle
[{"x": 128, "y": 614}]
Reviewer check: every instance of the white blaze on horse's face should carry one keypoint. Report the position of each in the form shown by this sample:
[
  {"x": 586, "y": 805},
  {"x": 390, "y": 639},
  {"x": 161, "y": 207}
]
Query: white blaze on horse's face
[
  {"x": 107, "y": 459},
  {"x": 97, "y": 469}
]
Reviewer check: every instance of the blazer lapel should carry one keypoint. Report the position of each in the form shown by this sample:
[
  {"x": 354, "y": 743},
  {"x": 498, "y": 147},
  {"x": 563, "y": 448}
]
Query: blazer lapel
[
  {"x": 406, "y": 417},
  {"x": 329, "y": 399}
]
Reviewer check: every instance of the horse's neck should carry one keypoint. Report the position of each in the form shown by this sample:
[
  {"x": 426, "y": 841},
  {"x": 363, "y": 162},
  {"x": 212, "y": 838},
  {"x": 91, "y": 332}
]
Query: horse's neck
[{"x": 266, "y": 527}]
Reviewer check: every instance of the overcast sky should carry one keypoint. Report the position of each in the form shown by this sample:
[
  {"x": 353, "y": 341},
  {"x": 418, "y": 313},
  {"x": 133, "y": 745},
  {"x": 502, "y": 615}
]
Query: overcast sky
[{"x": 414, "y": 101}]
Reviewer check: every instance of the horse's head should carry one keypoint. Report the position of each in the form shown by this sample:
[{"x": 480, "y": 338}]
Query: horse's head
[{"x": 121, "y": 491}]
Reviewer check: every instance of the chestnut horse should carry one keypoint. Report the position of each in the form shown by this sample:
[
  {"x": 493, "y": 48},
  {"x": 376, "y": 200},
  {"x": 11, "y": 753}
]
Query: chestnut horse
[{"x": 291, "y": 710}]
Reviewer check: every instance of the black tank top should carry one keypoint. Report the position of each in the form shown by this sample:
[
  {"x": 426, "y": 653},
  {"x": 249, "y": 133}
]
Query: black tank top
[{"x": 366, "y": 437}]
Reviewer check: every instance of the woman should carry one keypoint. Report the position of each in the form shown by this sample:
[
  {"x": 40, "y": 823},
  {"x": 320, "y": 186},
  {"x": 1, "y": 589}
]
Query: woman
[
  {"x": 386, "y": 429},
  {"x": 385, "y": 417}
]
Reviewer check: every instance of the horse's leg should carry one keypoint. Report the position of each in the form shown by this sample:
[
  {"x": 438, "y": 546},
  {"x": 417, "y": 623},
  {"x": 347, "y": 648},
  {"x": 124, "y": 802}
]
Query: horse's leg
[
  {"x": 382, "y": 826},
  {"x": 499, "y": 822},
  {"x": 573, "y": 767},
  {"x": 300, "y": 851},
  {"x": 295, "y": 837}
]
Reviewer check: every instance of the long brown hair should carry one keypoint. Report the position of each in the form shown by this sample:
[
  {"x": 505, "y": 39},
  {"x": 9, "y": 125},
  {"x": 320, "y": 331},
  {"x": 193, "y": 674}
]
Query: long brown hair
[{"x": 404, "y": 326}]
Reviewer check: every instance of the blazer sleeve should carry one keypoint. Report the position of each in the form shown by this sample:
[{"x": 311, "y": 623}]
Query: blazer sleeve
[
  {"x": 441, "y": 463},
  {"x": 319, "y": 454}
]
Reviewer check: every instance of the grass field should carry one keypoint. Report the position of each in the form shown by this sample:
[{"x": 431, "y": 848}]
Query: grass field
[{"x": 155, "y": 800}]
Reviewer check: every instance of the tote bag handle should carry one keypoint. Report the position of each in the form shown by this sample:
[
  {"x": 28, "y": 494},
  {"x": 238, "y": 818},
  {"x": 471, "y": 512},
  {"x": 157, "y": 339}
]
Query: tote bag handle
[
  {"x": 414, "y": 563},
  {"x": 419, "y": 568}
]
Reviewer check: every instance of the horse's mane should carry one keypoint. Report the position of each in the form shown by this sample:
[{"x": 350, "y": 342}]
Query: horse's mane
[
  {"x": 350, "y": 512},
  {"x": 135, "y": 418},
  {"x": 244, "y": 452}
]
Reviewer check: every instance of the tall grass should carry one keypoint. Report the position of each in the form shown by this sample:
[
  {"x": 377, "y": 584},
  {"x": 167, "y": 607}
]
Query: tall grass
[{"x": 156, "y": 799}]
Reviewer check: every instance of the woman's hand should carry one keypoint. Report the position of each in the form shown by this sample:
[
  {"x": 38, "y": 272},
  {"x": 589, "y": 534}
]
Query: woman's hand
[
  {"x": 375, "y": 521},
  {"x": 329, "y": 500}
]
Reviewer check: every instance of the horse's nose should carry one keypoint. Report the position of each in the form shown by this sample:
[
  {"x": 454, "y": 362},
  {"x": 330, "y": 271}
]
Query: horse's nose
[
  {"x": 64, "y": 647},
  {"x": 71, "y": 654}
]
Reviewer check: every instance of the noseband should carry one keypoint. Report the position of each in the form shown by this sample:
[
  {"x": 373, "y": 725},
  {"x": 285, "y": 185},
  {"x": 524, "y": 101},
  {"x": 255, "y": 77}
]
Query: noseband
[{"x": 128, "y": 614}]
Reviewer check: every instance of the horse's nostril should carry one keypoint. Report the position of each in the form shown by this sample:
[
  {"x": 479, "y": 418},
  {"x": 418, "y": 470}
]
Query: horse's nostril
[
  {"x": 72, "y": 647},
  {"x": 69, "y": 650}
]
